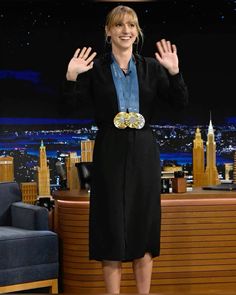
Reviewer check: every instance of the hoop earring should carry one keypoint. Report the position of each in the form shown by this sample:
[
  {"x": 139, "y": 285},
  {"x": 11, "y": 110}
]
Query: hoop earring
[{"x": 108, "y": 40}]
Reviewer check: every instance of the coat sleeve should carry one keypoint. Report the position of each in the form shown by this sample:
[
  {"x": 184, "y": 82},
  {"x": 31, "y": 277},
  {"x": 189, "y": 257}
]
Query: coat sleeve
[
  {"x": 76, "y": 99},
  {"x": 172, "y": 89},
  {"x": 178, "y": 91},
  {"x": 171, "y": 95}
]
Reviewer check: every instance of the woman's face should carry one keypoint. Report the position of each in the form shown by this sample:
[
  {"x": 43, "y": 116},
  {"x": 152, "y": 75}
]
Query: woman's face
[{"x": 123, "y": 33}]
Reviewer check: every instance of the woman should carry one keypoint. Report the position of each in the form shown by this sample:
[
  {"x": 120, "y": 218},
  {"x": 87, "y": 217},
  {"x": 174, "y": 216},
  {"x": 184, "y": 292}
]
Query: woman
[{"x": 123, "y": 89}]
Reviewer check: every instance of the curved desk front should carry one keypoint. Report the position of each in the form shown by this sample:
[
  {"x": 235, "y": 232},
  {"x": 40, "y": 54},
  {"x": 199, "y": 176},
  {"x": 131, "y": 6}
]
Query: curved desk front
[{"x": 198, "y": 245}]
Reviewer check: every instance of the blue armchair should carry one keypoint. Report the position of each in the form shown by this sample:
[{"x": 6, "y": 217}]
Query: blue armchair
[{"x": 28, "y": 249}]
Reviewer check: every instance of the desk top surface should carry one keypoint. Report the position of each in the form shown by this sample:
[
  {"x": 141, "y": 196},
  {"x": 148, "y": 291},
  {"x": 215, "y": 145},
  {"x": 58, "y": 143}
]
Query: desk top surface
[{"x": 196, "y": 193}]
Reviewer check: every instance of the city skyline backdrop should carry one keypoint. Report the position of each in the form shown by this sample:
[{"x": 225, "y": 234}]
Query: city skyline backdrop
[{"x": 175, "y": 141}]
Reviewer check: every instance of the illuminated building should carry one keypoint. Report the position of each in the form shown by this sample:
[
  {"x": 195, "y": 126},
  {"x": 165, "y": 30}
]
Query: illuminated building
[
  {"x": 72, "y": 172},
  {"x": 211, "y": 176},
  {"x": 234, "y": 168},
  {"x": 87, "y": 150},
  {"x": 228, "y": 169},
  {"x": 6, "y": 169},
  {"x": 43, "y": 173},
  {"x": 29, "y": 192},
  {"x": 198, "y": 159}
]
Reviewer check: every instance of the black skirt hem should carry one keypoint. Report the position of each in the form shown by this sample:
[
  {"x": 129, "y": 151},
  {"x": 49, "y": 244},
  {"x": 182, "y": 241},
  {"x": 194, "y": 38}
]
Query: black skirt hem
[{"x": 128, "y": 259}]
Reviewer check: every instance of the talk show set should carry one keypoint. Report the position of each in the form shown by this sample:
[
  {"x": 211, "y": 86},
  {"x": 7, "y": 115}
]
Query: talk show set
[{"x": 117, "y": 147}]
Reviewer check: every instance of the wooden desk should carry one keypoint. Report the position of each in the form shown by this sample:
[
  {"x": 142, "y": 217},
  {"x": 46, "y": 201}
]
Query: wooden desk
[{"x": 198, "y": 245}]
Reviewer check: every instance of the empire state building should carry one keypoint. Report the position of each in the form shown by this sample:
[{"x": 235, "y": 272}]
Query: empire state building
[{"x": 211, "y": 176}]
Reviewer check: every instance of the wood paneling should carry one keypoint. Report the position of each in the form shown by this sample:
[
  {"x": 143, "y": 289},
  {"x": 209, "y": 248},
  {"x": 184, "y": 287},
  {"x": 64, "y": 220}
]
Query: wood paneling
[{"x": 198, "y": 245}]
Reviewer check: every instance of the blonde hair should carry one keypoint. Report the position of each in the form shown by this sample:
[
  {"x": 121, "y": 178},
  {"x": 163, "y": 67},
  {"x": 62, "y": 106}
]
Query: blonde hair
[{"x": 116, "y": 15}]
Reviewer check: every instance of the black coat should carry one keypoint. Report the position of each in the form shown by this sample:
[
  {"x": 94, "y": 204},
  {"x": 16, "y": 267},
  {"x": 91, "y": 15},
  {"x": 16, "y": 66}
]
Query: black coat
[{"x": 125, "y": 212}]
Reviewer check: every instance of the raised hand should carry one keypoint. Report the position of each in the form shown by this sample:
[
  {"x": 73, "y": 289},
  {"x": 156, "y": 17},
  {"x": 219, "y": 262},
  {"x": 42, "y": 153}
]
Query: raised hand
[
  {"x": 81, "y": 62},
  {"x": 167, "y": 56}
]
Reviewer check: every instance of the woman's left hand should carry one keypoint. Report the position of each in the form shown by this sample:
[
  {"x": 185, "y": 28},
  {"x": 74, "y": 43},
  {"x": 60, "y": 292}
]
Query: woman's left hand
[{"x": 167, "y": 56}]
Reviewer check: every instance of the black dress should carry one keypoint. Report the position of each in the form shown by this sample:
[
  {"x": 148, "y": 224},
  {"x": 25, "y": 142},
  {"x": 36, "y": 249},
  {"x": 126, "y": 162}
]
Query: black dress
[{"x": 125, "y": 211}]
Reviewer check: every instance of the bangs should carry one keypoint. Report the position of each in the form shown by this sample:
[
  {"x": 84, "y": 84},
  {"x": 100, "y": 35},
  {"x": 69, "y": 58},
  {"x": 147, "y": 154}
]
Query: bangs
[{"x": 117, "y": 16}]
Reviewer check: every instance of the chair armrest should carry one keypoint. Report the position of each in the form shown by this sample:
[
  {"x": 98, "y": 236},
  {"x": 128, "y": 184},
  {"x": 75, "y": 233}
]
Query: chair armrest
[{"x": 29, "y": 216}]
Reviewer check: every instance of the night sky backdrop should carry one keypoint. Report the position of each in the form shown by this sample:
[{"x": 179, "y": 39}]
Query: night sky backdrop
[{"x": 38, "y": 38}]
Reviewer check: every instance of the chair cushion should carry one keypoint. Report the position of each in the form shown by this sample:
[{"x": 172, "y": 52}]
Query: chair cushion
[
  {"x": 22, "y": 248},
  {"x": 29, "y": 216},
  {"x": 9, "y": 193}
]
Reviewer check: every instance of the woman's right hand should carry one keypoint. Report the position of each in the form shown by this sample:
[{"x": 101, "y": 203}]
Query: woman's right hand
[{"x": 81, "y": 62}]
